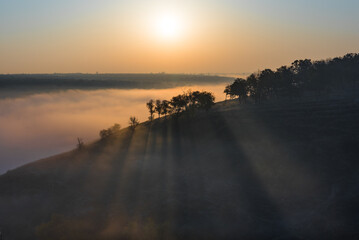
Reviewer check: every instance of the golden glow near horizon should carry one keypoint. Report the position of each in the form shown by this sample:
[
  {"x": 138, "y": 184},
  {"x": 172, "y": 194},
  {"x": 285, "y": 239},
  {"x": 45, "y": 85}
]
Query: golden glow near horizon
[{"x": 197, "y": 36}]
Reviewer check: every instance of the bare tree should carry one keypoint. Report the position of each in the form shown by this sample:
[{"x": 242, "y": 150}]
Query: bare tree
[
  {"x": 133, "y": 122},
  {"x": 80, "y": 143}
]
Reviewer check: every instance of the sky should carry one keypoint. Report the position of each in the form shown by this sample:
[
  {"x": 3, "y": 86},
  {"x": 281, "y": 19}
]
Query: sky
[{"x": 197, "y": 36}]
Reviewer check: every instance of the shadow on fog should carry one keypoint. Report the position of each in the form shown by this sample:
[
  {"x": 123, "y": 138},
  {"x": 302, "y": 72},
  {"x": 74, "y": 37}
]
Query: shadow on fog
[{"x": 189, "y": 191}]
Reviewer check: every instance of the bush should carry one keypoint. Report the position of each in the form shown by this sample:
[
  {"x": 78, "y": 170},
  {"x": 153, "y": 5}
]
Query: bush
[{"x": 105, "y": 133}]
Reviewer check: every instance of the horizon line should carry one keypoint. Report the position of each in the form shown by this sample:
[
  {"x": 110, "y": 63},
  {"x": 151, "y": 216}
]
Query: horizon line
[{"x": 109, "y": 73}]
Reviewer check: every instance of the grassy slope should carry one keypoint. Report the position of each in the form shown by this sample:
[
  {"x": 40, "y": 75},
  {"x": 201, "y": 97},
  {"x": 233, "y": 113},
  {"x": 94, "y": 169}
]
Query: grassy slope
[{"x": 286, "y": 171}]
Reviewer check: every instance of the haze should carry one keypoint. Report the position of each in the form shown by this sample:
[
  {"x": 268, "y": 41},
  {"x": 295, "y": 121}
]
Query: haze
[
  {"x": 197, "y": 36},
  {"x": 41, "y": 125}
]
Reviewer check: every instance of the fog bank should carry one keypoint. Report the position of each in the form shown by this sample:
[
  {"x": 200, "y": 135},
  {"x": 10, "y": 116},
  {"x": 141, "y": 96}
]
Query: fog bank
[{"x": 40, "y": 125}]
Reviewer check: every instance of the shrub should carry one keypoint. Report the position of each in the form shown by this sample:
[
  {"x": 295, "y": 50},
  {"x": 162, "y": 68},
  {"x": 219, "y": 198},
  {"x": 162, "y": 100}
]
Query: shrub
[{"x": 105, "y": 133}]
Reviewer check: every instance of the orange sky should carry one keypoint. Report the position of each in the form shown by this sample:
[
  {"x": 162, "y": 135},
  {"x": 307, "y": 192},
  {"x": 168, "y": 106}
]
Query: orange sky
[{"x": 207, "y": 36}]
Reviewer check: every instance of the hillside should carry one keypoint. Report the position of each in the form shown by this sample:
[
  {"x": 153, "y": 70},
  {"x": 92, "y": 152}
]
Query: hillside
[{"x": 270, "y": 171}]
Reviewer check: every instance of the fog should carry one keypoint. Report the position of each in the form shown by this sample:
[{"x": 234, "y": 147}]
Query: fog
[{"x": 41, "y": 125}]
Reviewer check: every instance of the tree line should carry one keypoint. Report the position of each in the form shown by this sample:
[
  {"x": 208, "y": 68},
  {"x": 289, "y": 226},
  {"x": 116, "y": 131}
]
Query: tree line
[
  {"x": 300, "y": 78},
  {"x": 190, "y": 101}
]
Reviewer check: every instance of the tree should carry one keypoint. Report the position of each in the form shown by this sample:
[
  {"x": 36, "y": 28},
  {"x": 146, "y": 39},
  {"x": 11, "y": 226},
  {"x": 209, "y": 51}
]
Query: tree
[
  {"x": 133, "y": 123},
  {"x": 115, "y": 129},
  {"x": 302, "y": 72},
  {"x": 105, "y": 133},
  {"x": 165, "y": 107},
  {"x": 227, "y": 91},
  {"x": 151, "y": 108},
  {"x": 301, "y": 66},
  {"x": 80, "y": 143},
  {"x": 284, "y": 85},
  {"x": 265, "y": 87},
  {"x": 239, "y": 88},
  {"x": 252, "y": 86},
  {"x": 179, "y": 103},
  {"x": 205, "y": 100},
  {"x": 191, "y": 98},
  {"x": 339, "y": 75},
  {"x": 158, "y": 107}
]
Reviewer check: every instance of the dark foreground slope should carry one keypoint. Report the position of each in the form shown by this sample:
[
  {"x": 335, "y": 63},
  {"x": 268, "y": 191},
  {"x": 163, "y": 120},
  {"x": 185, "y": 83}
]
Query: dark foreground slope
[{"x": 238, "y": 172}]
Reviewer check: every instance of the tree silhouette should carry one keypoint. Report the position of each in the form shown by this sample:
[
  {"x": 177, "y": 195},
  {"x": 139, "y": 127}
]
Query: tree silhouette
[
  {"x": 192, "y": 99},
  {"x": 179, "y": 103},
  {"x": 265, "y": 86},
  {"x": 205, "y": 100},
  {"x": 227, "y": 91},
  {"x": 303, "y": 77},
  {"x": 165, "y": 107},
  {"x": 284, "y": 83},
  {"x": 158, "y": 107},
  {"x": 105, "y": 133},
  {"x": 151, "y": 108},
  {"x": 237, "y": 89},
  {"x": 80, "y": 143},
  {"x": 133, "y": 123},
  {"x": 189, "y": 101},
  {"x": 115, "y": 129}
]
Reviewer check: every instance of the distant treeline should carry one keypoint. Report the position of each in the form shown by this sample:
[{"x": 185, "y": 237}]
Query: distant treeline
[
  {"x": 301, "y": 78},
  {"x": 121, "y": 81}
]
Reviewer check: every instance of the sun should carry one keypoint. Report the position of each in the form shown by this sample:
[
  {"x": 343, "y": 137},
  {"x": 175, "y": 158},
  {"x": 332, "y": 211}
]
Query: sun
[{"x": 169, "y": 26}]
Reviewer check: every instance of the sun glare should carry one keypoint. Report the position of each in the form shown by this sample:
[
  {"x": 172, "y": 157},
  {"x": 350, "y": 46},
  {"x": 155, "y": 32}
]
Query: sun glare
[{"x": 169, "y": 26}]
